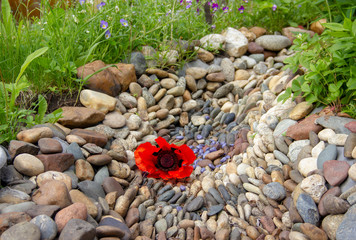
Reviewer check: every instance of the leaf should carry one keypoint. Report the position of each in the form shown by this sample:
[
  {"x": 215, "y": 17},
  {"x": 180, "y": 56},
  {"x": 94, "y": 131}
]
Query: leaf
[
  {"x": 351, "y": 84},
  {"x": 354, "y": 28},
  {"x": 42, "y": 108},
  {"x": 8, "y": 24},
  {"x": 29, "y": 59},
  {"x": 334, "y": 26}
]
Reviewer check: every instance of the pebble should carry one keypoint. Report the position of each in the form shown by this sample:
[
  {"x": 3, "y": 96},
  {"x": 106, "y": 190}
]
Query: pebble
[
  {"x": 274, "y": 191},
  {"x": 46, "y": 225},
  {"x": 307, "y": 209}
]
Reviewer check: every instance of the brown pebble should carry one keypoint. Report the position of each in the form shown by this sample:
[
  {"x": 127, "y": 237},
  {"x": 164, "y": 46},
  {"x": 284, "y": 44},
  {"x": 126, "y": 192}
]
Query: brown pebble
[
  {"x": 74, "y": 211},
  {"x": 266, "y": 178},
  {"x": 313, "y": 232}
]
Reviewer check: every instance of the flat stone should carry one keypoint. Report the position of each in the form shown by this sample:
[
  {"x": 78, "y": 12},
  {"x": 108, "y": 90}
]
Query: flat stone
[
  {"x": 335, "y": 123},
  {"x": 91, "y": 189},
  {"x": 335, "y": 205},
  {"x": 23, "y": 230},
  {"x": 91, "y": 136},
  {"x": 46, "y": 225},
  {"x": 195, "y": 204},
  {"x": 28, "y": 164},
  {"x": 114, "y": 120},
  {"x": 76, "y": 210},
  {"x": 335, "y": 172},
  {"x": 34, "y": 134},
  {"x": 80, "y": 117},
  {"x": 273, "y": 42},
  {"x": 301, "y": 130},
  {"x": 274, "y": 190},
  {"x": 10, "y": 219},
  {"x": 347, "y": 228},
  {"x": 307, "y": 209},
  {"x": 313, "y": 232},
  {"x": 56, "y": 162},
  {"x": 329, "y": 153},
  {"x": 52, "y": 192},
  {"x": 78, "y": 229}
]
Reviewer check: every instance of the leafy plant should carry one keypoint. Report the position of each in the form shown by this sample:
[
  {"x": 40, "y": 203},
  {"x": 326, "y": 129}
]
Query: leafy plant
[
  {"x": 330, "y": 61},
  {"x": 12, "y": 118}
]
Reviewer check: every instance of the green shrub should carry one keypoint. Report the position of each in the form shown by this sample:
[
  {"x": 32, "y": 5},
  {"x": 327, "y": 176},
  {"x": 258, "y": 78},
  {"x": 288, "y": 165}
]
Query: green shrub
[{"x": 330, "y": 63}]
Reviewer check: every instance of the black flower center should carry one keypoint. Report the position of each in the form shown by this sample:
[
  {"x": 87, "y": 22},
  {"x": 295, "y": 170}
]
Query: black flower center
[{"x": 167, "y": 160}]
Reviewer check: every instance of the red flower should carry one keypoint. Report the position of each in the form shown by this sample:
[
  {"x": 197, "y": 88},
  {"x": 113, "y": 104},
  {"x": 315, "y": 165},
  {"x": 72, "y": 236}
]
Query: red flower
[{"x": 165, "y": 161}]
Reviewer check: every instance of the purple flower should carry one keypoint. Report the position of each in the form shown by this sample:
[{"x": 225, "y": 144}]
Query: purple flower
[
  {"x": 274, "y": 7},
  {"x": 299, "y": 6},
  {"x": 188, "y": 6},
  {"x": 198, "y": 10},
  {"x": 182, "y": 188},
  {"x": 103, "y": 24},
  {"x": 213, "y": 26},
  {"x": 169, "y": 11},
  {"x": 100, "y": 5},
  {"x": 215, "y": 6},
  {"x": 246, "y": 1},
  {"x": 197, "y": 1},
  {"x": 81, "y": 2},
  {"x": 199, "y": 137},
  {"x": 107, "y": 34},
  {"x": 124, "y": 22},
  {"x": 241, "y": 9},
  {"x": 181, "y": 1},
  {"x": 225, "y": 9},
  {"x": 188, "y": 1}
]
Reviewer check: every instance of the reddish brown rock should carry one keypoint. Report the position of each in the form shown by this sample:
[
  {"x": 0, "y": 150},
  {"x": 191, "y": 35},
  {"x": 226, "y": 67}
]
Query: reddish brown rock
[
  {"x": 216, "y": 77},
  {"x": 214, "y": 155},
  {"x": 52, "y": 193},
  {"x": 268, "y": 54},
  {"x": 132, "y": 216},
  {"x": 48, "y": 210},
  {"x": 75, "y": 211},
  {"x": 10, "y": 219},
  {"x": 267, "y": 223},
  {"x": 56, "y": 162},
  {"x": 49, "y": 145},
  {"x": 18, "y": 147},
  {"x": 124, "y": 74},
  {"x": 351, "y": 126},
  {"x": 335, "y": 205},
  {"x": 99, "y": 159},
  {"x": 313, "y": 232},
  {"x": 103, "y": 81},
  {"x": 300, "y": 131},
  {"x": 91, "y": 136},
  {"x": 258, "y": 31},
  {"x": 335, "y": 191},
  {"x": 254, "y": 48},
  {"x": 317, "y": 27},
  {"x": 111, "y": 185},
  {"x": 335, "y": 172},
  {"x": 73, "y": 117},
  {"x": 206, "y": 233}
]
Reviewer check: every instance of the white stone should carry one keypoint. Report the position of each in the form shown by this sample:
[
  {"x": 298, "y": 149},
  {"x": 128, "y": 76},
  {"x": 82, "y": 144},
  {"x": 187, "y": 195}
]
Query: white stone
[
  {"x": 96, "y": 100},
  {"x": 338, "y": 139},
  {"x": 307, "y": 165},
  {"x": 213, "y": 41},
  {"x": 314, "y": 185},
  {"x": 241, "y": 168},
  {"x": 318, "y": 149},
  {"x": 236, "y": 43},
  {"x": 295, "y": 148},
  {"x": 198, "y": 120},
  {"x": 325, "y": 134}
]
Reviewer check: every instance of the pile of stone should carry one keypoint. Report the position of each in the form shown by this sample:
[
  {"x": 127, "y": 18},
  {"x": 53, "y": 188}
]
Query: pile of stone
[{"x": 264, "y": 169}]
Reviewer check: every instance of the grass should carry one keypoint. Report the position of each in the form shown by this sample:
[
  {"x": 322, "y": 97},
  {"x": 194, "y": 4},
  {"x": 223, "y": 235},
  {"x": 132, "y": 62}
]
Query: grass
[{"x": 74, "y": 36}]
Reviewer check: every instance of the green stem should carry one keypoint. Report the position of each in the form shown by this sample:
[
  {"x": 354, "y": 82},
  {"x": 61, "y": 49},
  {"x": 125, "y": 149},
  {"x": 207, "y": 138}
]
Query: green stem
[{"x": 327, "y": 5}]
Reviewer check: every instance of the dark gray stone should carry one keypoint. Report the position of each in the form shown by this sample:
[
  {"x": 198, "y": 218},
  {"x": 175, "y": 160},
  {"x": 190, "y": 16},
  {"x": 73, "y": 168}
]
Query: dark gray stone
[
  {"x": 335, "y": 123},
  {"x": 74, "y": 149},
  {"x": 46, "y": 225},
  {"x": 91, "y": 189},
  {"x": 206, "y": 130},
  {"x": 329, "y": 153},
  {"x": 347, "y": 228},
  {"x": 307, "y": 209},
  {"x": 223, "y": 90},
  {"x": 274, "y": 190},
  {"x": 215, "y": 209},
  {"x": 224, "y": 192},
  {"x": 216, "y": 195},
  {"x": 195, "y": 204},
  {"x": 77, "y": 229},
  {"x": 166, "y": 196},
  {"x": 139, "y": 61}
]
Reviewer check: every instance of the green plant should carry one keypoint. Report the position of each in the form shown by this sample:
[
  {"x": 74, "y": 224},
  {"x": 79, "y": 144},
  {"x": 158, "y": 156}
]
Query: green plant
[
  {"x": 12, "y": 117},
  {"x": 330, "y": 61}
]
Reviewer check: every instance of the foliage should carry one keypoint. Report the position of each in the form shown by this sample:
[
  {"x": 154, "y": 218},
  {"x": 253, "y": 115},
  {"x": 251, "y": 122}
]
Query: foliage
[
  {"x": 330, "y": 61},
  {"x": 12, "y": 118}
]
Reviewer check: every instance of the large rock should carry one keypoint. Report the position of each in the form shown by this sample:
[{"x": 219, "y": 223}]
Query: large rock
[
  {"x": 301, "y": 130},
  {"x": 99, "y": 101},
  {"x": 236, "y": 43},
  {"x": 103, "y": 81},
  {"x": 80, "y": 117},
  {"x": 273, "y": 42},
  {"x": 52, "y": 193},
  {"x": 212, "y": 41}
]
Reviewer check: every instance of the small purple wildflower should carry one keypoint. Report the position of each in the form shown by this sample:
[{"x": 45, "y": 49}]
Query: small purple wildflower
[
  {"x": 100, "y": 5},
  {"x": 188, "y": 6},
  {"x": 124, "y": 22},
  {"x": 299, "y": 6},
  {"x": 197, "y": 1},
  {"x": 241, "y": 9},
  {"x": 198, "y": 10},
  {"x": 225, "y": 9},
  {"x": 169, "y": 11},
  {"x": 246, "y": 1},
  {"x": 181, "y": 2},
  {"x": 81, "y": 2},
  {"x": 188, "y": 1},
  {"x": 103, "y": 24},
  {"x": 182, "y": 188},
  {"x": 215, "y": 6},
  {"x": 179, "y": 137},
  {"x": 107, "y": 34},
  {"x": 213, "y": 26},
  {"x": 274, "y": 7}
]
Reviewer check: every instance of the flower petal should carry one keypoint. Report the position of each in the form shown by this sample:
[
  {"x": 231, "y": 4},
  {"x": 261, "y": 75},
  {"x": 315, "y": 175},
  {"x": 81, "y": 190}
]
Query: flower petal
[
  {"x": 163, "y": 143},
  {"x": 186, "y": 154},
  {"x": 145, "y": 160},
  {"x": 182, "y": 172}
]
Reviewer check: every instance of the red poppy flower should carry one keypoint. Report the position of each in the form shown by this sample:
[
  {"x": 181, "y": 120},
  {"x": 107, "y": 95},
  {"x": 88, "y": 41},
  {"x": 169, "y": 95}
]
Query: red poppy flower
[{"x": 165, "y": 161}]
